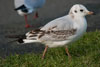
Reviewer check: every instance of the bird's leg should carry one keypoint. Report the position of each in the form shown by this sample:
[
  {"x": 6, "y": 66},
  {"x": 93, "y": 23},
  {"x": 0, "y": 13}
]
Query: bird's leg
[
  {"x": 69, "y": 56},
  {"x": 36, "y": 15},
  {"x": 45, "y": 50},
  {"x": 26, "y": 21}
]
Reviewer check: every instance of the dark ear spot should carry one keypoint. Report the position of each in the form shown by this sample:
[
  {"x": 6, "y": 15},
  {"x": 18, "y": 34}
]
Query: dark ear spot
[
  {"x": 75, "y": 11},
  {"x": 81, "y": 10}
]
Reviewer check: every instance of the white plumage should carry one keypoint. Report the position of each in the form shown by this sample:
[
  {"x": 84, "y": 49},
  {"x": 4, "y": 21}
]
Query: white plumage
[
  {"x": 61, "y": 31},
  {"x": 67, "y": 22}
]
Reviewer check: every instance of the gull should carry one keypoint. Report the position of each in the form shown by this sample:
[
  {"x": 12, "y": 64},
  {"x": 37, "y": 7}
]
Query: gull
[
  {"x": 61, "y": 31},
  {"x": 25, "y": 7}
]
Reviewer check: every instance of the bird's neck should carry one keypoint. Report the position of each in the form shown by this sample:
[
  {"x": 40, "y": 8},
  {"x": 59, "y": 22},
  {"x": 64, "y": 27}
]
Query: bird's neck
[
  {"x": 81, "y": 23},
  {"x": 80, "y": 18}
]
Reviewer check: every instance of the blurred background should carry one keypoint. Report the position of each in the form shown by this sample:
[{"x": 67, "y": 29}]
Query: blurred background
[{"x": 11, "y": 23}]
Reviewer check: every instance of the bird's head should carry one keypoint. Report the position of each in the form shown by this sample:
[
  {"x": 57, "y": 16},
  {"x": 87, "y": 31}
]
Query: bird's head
[{"x": 80, "y": 10}]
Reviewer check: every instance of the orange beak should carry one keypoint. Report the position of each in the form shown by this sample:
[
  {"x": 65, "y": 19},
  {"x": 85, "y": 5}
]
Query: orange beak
[{"x": 90, "y": 13}]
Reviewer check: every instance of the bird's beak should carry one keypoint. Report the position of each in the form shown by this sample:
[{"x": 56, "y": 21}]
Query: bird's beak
[{"x": 90, "y": 13}]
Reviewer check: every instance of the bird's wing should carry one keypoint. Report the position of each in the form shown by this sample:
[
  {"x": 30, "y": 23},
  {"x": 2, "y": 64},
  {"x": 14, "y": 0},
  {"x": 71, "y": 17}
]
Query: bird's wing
[
  {"x": 34, "y": 3},
  {"x": 58, "y": 30}
]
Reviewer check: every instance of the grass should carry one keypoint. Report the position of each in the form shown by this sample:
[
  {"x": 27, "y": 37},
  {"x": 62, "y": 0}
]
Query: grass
[{"x": 85, "y": 53}]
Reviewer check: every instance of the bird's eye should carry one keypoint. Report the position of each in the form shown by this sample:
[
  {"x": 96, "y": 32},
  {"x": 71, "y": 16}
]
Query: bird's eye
[
  {"x": 75, "y": 11},
  {"x": 81, "y": 10}
]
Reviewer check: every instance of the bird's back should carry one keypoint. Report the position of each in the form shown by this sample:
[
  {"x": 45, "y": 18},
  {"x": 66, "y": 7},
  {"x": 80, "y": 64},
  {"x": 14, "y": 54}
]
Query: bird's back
[
  {"x": 34, "y": 3},
  {"x": 62, "y": 23}
]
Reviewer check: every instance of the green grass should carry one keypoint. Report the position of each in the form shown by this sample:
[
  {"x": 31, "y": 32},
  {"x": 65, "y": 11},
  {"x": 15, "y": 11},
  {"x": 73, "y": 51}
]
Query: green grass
[{"x": 85, "y": 53}]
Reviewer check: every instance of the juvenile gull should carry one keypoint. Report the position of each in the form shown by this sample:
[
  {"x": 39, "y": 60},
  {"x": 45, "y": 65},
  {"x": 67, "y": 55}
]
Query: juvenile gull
[
  {"x": 61, "y": 31},
  {"x": 25, "y": 7}
]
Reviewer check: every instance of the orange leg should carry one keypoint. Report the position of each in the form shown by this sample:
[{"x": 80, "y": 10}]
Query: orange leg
[
  {"x": 45, "y": 50},
  {"x": 66, "y": 49},
  {"x": 27, "y": 25}
]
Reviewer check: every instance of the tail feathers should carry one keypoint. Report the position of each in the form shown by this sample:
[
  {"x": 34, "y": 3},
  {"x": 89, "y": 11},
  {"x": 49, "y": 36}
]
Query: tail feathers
[
  {"x": 29, "y": 37},
  {"x": 18, "y": 38},
  {"x": 21, "y": 7},
  {"x": 29, "y": 41},
  {"x": 22, "y": 39}
]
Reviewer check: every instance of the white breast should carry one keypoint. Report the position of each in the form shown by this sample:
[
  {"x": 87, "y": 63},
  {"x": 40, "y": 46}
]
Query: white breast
[{"x": 81, "y": 25}]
